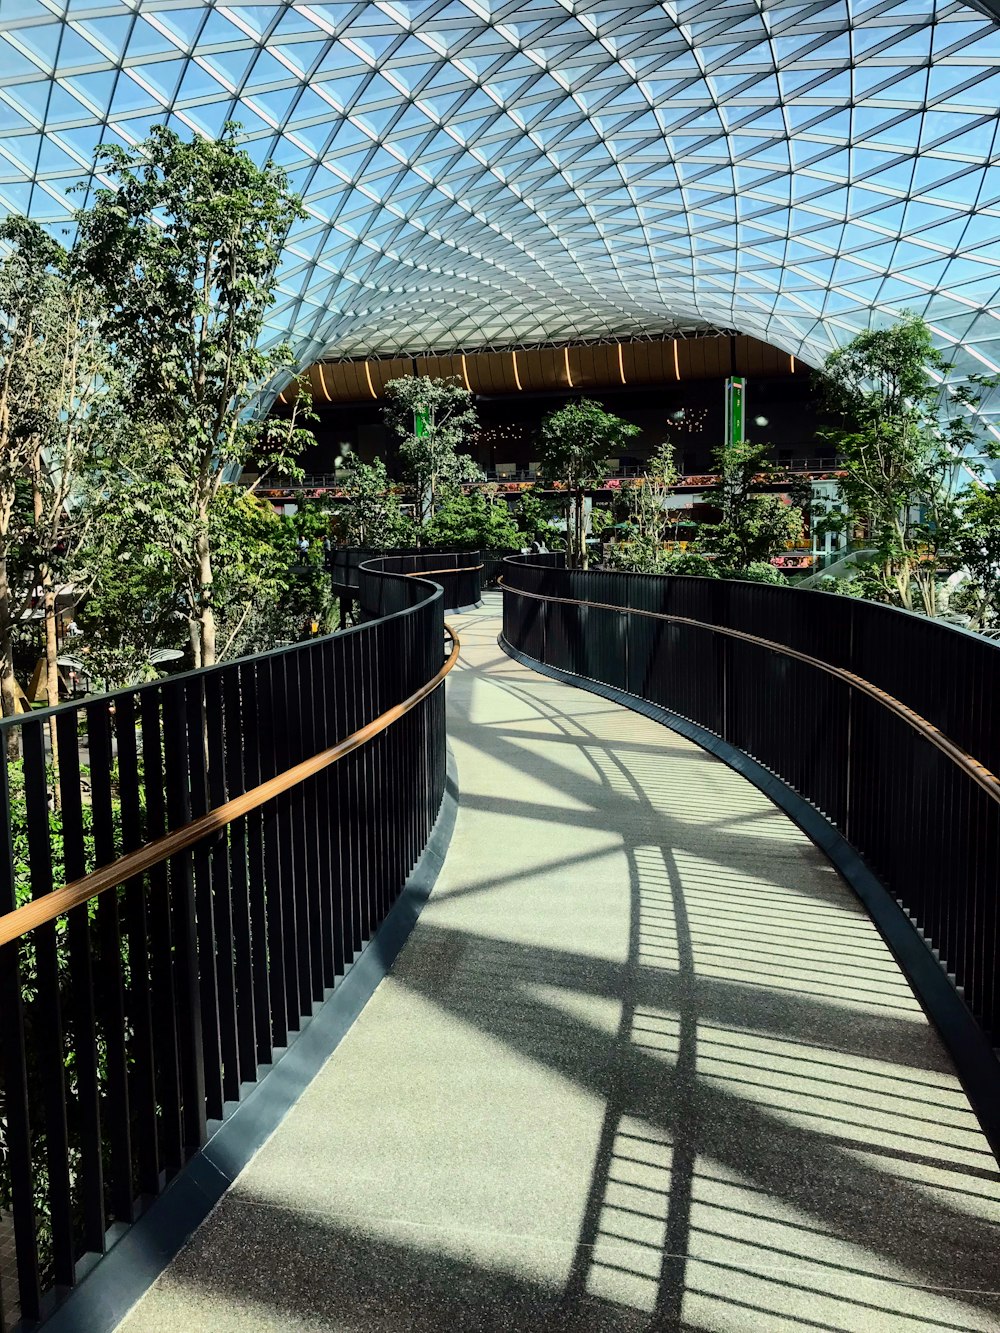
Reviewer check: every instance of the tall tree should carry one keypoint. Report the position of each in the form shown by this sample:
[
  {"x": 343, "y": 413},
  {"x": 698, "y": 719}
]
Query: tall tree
[
  {"x": 649, "y": 509},
  {"x": 76, "y": 494},
  {"x": 754, "y": 523},
  {"x": 575, "y": 444},
  {"x": 184, "y": 250},
  {"x": 434, "y": 420},
  {"x": 901, "y": 452},
  {"x": 30, "y": 274}
]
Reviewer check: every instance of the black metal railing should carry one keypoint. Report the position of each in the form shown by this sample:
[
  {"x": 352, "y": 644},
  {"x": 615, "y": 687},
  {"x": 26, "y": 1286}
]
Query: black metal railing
[
  {"x": 459, "y": 574},
  {"x": 885, "y": 721},
  {"x": 257, "y": 821}
]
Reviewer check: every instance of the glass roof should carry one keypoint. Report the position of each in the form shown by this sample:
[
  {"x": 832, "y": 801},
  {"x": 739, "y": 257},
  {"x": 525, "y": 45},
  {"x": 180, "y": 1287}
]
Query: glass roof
[{"x": 491, "y": 173}]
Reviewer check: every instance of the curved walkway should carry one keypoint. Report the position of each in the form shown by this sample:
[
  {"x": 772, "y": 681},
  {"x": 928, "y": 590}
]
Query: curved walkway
[{"x": 643, "y": 1064}]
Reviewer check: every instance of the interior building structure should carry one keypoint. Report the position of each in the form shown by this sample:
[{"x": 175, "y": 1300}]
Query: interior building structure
[{"x": 663, "y": 930}]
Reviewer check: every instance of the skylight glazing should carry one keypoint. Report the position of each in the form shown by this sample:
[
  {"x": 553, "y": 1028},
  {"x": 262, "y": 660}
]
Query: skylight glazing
[{"x": 487, "y": 174}]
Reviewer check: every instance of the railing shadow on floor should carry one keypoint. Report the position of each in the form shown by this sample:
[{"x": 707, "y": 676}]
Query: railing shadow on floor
[{"x": 879, "y": 720}]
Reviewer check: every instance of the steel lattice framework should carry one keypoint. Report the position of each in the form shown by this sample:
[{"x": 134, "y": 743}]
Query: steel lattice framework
[{"x": 488, "y": 174}]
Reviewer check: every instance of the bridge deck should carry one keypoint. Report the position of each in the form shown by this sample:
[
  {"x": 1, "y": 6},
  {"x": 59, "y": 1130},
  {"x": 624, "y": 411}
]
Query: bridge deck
[{"x": 643, "y": 1064}]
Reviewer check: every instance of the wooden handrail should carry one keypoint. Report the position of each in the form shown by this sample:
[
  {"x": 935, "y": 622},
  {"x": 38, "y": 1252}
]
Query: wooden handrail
[
  {"x": 51, "y": 905},
  {"x": 978, "y": 772},
  {"x": 425, "y": 573}
]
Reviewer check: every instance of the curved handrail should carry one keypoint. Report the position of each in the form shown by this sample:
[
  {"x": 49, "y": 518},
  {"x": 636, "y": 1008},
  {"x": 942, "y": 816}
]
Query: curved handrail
[
  {"x": 41, "y": 910},
  {"x": 456, "y": 569},
  {"x": 978, "y": 772}
]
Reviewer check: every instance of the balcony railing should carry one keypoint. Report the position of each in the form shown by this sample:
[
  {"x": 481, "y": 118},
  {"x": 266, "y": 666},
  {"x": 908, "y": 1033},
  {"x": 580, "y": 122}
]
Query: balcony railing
[
  {"x": 191, "y": 867},
  {"x": 883, "y": 721}
]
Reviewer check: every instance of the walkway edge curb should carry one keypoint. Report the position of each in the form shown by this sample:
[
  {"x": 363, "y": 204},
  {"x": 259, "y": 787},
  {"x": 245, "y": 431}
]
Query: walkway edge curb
[
  {"x": 104, "y": 1297},
  {"x": 976, "y": 1062}
]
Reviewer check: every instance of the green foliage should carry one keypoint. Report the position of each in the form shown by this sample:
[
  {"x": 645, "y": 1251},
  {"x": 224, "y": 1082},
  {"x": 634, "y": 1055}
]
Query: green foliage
[
  {"x": 575, "y": 444},
  {"x": 433, "y": 420},
  {"x": 533, "y": 515},
  {"x": 374, "y": 517},
  {"x": 472, "y": 522},
  {"x": 267, "y": 589},
  {"x": 649, "y": 523},
  {"x": 977, "y": 547},
  {"x": 900, "y": 455},
  {"x": 753, "y": 525},
  {"x": 134, "y": 608},
  {"x": 759, "y": 571},
  {"x": 640, "y": 558},
  {"x": 183, "y": 251}
]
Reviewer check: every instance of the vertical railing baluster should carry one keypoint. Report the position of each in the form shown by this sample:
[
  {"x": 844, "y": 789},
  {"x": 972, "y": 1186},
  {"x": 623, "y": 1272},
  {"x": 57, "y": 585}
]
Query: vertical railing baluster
[
  {"x": 196, "y": 761},
  {"x": 274, "y": 868},
  {"x": 20, "y": 1162},
  {"x": 46, "y": 1011},
  {"x": 110, "y": 983},
  {"x": 220, "y": 854},
  {"x": 139, "y": 1003},
  {"x": 229, "y": 709},
  {"x": 184, "y": 923},
  {"x": 161, "y": 931},
  {"x": 82, "y": 1014}
]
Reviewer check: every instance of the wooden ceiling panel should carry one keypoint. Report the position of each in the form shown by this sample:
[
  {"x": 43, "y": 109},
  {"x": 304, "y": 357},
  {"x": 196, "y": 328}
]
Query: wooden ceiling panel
[
  {"x": 588, "y": 368},
  {"x": 442, "y": 368},
  {"x": 492, "y": 372},
  {"x": 386, "y": 369}
]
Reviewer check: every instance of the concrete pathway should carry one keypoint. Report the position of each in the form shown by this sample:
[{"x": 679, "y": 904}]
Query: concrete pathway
[{"x": 643, "y": 1064}]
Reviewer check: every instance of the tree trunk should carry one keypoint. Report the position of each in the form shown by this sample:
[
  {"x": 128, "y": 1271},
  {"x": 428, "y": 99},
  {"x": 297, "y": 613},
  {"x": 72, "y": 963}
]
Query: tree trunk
[
  {"x": 206, "y": 611},
  {"x": 581, "y": 533},
  {"x": 51, "y": 671},
  {"x": 8, "y": 685},
  {"x": 194, "y": 633}
]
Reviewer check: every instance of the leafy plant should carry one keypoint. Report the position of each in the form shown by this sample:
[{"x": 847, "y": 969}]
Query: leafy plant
[
  {"x": 433, "y": 420},
  {"x": 374, "y": 517},
  {"x": 472, "y": 522},
  {"x": 575, "y": 444},
  {"x": 901, "y": 454},
  {"x": 183, "y": 248},
  {"x": 753, "y": 525}
]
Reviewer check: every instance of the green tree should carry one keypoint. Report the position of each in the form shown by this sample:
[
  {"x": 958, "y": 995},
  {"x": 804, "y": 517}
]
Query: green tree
[
  {"x": 649, "y": 523},
  {"x": 472, "y": 523},
  {"x": 184, "y": 249},
  {"x": 977, "y": 548},
  {"x": 29, "y": 278},
  {"x": 268, "y": 591},
  {"x": 76, "y": 497},
  {"x": 753, "y": 525},
  {"x": 134, "y": 607},
  {"x": 433, "y": 420},
  {"x": 900, "y": 453},
  {"x": 575, "y": 444},
  {"x": 373, "y": 517}
]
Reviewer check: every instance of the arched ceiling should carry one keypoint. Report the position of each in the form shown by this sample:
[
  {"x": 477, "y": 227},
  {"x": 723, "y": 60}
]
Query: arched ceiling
[{"x": 481, "y": 173}]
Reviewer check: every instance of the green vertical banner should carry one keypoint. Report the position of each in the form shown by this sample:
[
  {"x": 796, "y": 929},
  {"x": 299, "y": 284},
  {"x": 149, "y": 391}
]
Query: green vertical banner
[
  {"x": 735, "y": 409},
  {"x": 420, "y": 422}
]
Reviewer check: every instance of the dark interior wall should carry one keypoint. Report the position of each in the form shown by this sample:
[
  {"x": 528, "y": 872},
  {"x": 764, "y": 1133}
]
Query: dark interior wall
[{"x": 510, "y": 423}]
